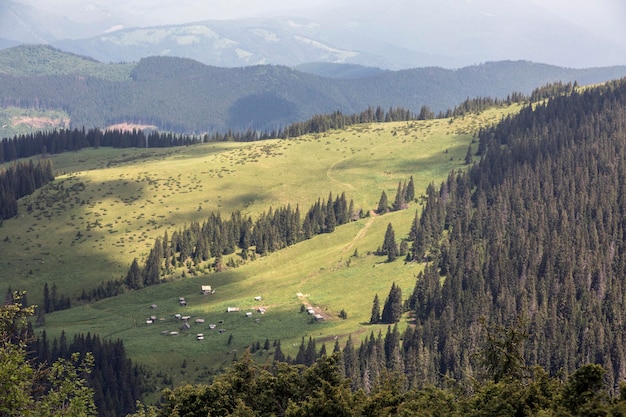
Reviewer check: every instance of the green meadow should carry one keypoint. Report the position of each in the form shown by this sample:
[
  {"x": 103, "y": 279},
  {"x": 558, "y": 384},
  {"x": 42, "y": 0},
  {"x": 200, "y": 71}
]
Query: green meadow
[{"x": 107, "y": 206}]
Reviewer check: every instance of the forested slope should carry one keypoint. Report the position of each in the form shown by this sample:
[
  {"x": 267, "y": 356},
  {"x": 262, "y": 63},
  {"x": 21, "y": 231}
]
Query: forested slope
[
  {"x": 185, "y": 96},
  {"x": 534, "y": 231}
]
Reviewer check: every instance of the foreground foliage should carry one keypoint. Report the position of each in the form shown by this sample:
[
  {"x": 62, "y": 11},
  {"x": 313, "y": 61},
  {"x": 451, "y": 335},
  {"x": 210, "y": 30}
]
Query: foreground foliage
[
  {"x": 279, "y": 389},
  {"x": 26, "y": 389}
]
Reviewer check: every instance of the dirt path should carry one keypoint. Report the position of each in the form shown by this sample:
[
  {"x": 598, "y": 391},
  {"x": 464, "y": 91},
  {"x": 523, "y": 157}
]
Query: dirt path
[
  {"x": 329, "y": 174},
  {"x": 361, "y": 233}
]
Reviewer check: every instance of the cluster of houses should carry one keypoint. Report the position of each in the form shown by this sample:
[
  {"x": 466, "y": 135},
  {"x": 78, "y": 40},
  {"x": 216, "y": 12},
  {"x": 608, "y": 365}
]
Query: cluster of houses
[
  {"x": 186, "y": 320},
  {"x": 318, "y": 317}
]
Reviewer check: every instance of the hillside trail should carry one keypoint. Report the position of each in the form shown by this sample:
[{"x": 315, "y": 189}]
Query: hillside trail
[
  {"x": 358, "y": 236},
  {"x": 329, "y": 174},
  {"x": 362, "y": 232}
]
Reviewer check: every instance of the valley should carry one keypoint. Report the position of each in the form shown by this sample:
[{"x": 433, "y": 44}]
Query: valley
[{"x": 107, "y": 206}]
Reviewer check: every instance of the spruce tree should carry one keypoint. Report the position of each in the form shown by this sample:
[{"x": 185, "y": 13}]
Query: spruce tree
[
  {"x": 399, "y": 203},
  {"x": 390, "y": 247},
  {"x": 468, "y": 155},
  {"x": 383, "y": 204},
  {"x": 375, "y": 317},
  {"x": 133, "y": 278},
  {"x": 409, "y": 194},
  {"x": 392, "y": 310}
]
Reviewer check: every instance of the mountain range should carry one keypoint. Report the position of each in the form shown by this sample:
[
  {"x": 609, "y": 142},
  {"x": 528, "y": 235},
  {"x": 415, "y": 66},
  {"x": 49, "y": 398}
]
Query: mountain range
[
  {"x": 395, "y": 36},
  {"x": 184, "y": 95}
]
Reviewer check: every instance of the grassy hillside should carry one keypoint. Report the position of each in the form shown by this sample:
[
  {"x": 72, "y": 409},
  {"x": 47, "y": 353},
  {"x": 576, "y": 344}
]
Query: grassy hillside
[
  {"x": 107, "y": 206},
  {"x": 39, "y": 60}
]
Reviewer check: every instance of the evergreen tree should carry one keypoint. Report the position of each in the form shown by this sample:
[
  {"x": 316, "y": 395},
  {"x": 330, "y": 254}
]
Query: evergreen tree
[
  {"x": 390, "y": 247},
  {"x": 310, "y": 354},
  {"x": 375, "y": 316},
  {"x": 47, "y": 302},
  {"x": 383, "y": 203},
  {"x": 468, "y": 155},
  {"x": 393, "y": 309},
  {"x": 399, "y": 203},
  {"x": 133, "y": 278},
  {"x": 152, "y": 269},
  {"x": 279, "y": 356},
  {"x": 410, "y": 191}
]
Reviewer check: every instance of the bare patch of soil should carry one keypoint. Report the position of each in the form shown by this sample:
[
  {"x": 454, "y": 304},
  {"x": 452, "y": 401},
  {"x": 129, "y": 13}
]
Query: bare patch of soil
[
  {"x": 129, "y": 127},
  {"x": 40, "y": 122}
]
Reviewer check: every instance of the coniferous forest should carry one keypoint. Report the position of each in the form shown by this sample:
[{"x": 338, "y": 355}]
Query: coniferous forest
[
  {"x": 519, "y": 309},
  {"x": 533, "y": 232}
]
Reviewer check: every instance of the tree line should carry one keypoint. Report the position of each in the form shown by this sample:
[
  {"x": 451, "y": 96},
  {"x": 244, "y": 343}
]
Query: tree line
[
  {"x": 193, "y": 246},
  {"x": 66, "y": 140},
  {"x": 99, "y": 380},
  {"x": 322, "y": 389},
  {"x": 86, "y": 376},
  {"x": 21, "y": 179},
  {"x": 534, "y": 229}
]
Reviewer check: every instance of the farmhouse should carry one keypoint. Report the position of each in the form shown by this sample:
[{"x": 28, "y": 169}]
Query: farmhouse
[
  {"x": 258, "y": 298},
  {"x": 206, "y": 289},
  {"x": 232, "y": 309},
  {"x": 200, "y": 336},
  {"x": 199, "y": 321}
]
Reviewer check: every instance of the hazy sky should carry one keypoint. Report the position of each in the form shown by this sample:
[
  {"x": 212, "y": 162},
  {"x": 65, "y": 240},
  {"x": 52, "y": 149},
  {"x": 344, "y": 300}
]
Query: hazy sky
[
  {"x": 585, "y": 12},
  {"x": 537, "y": 29}
]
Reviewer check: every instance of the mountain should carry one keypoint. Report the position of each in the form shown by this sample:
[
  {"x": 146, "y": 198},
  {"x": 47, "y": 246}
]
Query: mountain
[
  {"x": 184, "y": 95},
  {"x": 391, "y": 36},
  {"x": 219, "y": 43},
  {"x": 344, "y": 71},
  {"x": 39, "y": 23}
]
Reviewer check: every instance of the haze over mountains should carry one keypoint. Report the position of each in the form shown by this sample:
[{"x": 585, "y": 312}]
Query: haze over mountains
[{"x": 391, "y": 36}]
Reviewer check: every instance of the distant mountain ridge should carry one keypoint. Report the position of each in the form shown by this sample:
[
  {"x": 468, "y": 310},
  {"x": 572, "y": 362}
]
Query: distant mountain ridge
[
  {"x": 216, "y": 43},
  {"x": 395, "y": 36},
  {"x": 187, "y": 96}
]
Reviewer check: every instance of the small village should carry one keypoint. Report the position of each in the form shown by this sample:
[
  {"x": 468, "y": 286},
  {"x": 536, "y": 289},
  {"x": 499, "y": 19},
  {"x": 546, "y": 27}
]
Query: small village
[{"x": 184, "y": 323}]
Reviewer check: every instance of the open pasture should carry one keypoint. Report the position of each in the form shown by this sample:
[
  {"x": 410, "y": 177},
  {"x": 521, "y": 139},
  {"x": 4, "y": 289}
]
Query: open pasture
[{"x": 107, "y": 206}]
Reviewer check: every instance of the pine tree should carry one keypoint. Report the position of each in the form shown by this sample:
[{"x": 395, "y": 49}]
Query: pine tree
[
  {"x": 409, "y": 194},
  {"x": 399, "y": 203},
  {"x": 468, "y": 155},
  {"x": 390, "y": 247},
  {"x": 133, "y": 277},
  {"x": 152, "y": 270},
  {"x": 375, "y": 317},
  {"x": 279, "y": 356},
  {"x": 47, "y": 304},
  {"x": 383, "y": 204},
  {"x": 310, "y": 354},
  {"x": 330, "y": 221},
  {"x": 392, "y": 310}
]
